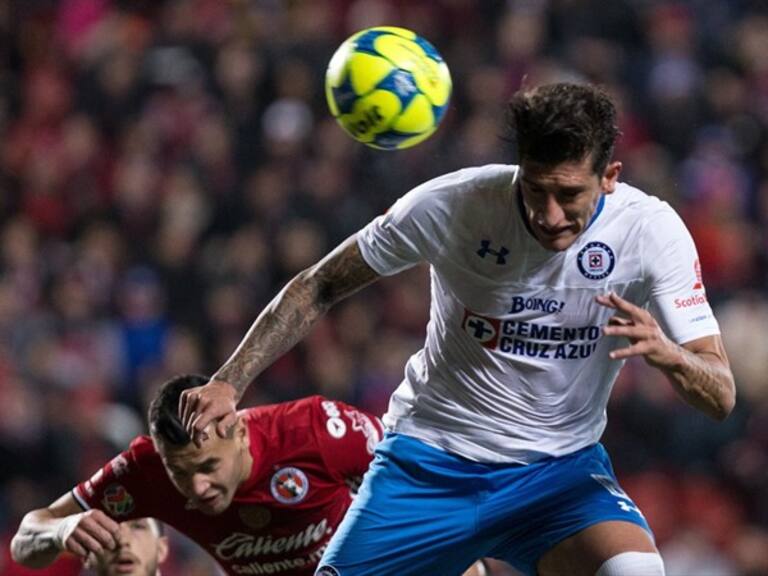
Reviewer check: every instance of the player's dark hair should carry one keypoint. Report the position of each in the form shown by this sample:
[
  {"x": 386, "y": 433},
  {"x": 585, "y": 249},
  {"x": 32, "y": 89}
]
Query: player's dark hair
[
  {"x": 563, "y": 122},
  {"x": 164, "y": 421}
]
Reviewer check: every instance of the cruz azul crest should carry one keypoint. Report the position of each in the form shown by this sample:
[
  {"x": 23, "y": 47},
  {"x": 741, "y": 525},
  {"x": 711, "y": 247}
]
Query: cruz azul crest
[{"x": 596, "y": 260}]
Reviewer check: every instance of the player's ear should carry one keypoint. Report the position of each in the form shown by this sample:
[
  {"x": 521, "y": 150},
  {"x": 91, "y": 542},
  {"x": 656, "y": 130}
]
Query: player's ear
[
  {"x": 610, "y": 177},
  {"x": 239, "y": 430},
  {"x": 162, "y": 549}
]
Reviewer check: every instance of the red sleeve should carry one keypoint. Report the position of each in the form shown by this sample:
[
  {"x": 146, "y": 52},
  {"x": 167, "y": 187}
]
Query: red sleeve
[
  {"x": 346, "y": 436},
  {"x": 120, "y": 488}
]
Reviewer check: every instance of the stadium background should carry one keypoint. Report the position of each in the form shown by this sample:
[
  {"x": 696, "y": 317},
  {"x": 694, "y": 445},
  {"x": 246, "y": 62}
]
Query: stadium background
[{"x": 168, "y": 165}]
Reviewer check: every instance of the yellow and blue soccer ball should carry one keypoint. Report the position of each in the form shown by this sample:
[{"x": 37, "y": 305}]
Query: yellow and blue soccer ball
[{"x": 388, "y": 87}]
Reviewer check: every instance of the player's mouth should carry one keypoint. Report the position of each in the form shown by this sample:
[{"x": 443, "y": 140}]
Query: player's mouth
[
  {"x": 125, "y": 564},
  {"x": 209, "y": 503},
  {"x": 553, "y": 233},
  {"x": 204, "y": 504}
]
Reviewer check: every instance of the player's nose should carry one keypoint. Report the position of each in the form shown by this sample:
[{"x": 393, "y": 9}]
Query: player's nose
[
  {"x": 124, "y": 536},
  {"x": 200, "y": 485},
  {"x": 550, "y": 212}
]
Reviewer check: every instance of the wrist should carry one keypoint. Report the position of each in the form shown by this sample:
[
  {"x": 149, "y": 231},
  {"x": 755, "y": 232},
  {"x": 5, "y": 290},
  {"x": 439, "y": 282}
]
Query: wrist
[
  {"x": 63, "y": 530},
  {"x": 674, "y": 360},
  {"x": 678, "y": 359},
  {"x": 221, "y": 378}
]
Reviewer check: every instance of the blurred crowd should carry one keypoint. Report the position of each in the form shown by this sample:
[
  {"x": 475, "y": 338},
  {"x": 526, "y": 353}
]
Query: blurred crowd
[{"x": 167, "y": 165}]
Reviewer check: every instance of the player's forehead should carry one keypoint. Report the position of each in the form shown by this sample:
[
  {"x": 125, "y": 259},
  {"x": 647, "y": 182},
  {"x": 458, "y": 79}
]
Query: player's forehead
[
  {"x": 138, "y": 523},
  {"x": 190, "y": 455},
  {"x": 571, "y": 173},
  {"x": 140, "y": 529},
  {"x": 146, "y": 523}
]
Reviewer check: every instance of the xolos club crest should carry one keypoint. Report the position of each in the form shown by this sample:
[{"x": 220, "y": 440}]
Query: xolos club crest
[{"x": 289, "y": 485}]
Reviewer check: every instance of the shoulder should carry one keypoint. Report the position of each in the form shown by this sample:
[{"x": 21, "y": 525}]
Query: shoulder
[
  {"x": 472, "y": 179},
  {"x": 286, "y": 431},
  {"x": 143, "y": 458},
  {"x": 142, "y": 449},
  {"x": 279, "y": 418},
  {"x": 636, "y": 209},
  {"x": 280, "y": 411},
  {"x": 478, "y": 175},
  {"x": 462, "y": 190},
  {"x": 631, "y": 199},
  {"x": 299, "y": 418}
]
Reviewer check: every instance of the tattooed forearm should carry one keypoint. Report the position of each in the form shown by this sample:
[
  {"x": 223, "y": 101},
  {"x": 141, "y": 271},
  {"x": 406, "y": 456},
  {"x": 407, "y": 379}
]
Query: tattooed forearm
[
  {"x": 291, "y": 314},
  {"x": 705, "y": 382},
  {"x": 34, "y": 550}
]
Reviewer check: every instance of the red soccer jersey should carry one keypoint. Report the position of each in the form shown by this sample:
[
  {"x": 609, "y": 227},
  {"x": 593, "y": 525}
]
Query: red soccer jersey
[{"x": 305, "y": 455}]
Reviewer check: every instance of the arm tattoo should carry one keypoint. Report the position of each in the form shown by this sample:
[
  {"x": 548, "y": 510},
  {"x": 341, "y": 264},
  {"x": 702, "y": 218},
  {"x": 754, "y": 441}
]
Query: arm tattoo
[
  {"x": 705, "y": 384},
  {"x": 291, "y": 314},
  {"x": 29, "y": 543}
]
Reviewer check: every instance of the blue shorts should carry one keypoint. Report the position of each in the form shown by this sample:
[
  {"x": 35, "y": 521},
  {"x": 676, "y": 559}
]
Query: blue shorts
[{"x": 424, "y": 511}]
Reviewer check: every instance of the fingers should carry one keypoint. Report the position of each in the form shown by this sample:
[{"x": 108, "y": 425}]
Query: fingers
[
  {"x": 101, "y": 527},
  {"x": 616, "y": 302},
  {"x": 605, "y": 300},
  {"x": 223, "y": 425},
  {"x": 200, "y": 406},
  {"x": 638, "y": 349},
  {"x": 637, "y": 313},
  {"x": 631, "y": 331},
  {"x": 94, "y": 535},
  {"x": 91, "y": 561},
  {"x": 188, "y": 406},
  {"x": 74, "y": 546},
  {"x": 197, "y": 426},
  {"x": 82, "y": 545}
]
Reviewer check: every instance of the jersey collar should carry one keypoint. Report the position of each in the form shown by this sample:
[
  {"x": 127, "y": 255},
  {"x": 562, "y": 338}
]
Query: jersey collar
[{"x": 598, "y": 209}]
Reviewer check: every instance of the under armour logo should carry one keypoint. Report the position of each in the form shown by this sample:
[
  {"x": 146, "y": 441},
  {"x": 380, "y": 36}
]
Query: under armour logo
[{"x": 485, "y": 248}]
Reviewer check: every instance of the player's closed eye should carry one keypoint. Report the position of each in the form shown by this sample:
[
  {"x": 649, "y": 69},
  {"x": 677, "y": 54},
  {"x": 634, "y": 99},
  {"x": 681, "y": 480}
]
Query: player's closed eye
[
  {"x": 177, "y": 473},
  {"x": 535, "y": 190},
  {"x": 139, "y": 526}
]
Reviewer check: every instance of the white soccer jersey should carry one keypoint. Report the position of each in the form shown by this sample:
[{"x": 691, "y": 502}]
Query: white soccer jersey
[{"x": 515, "y": 366}]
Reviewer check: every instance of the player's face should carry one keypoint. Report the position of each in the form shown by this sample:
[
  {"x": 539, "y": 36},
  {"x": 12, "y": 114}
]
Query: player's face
[
  {"x": 209, "y": 476},
  {"x": 140, "y": 550},
  {"x": 560, "y": 200}
]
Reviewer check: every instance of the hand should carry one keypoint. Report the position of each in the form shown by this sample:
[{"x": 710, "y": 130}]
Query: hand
[
  {"x": 88, "y": 533},
  {"x": 646, "y": 337},
  {"x": 199, "y": 406}
]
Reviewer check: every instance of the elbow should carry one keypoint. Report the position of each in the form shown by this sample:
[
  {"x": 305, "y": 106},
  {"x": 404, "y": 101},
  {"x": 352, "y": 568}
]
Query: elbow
[
  {"x": 313, "y": 289},
  {"x": 29, "y": 547},
  {"x": 24, "y": 553},
  {"x": 17, "y": 552},
  {"x": 726, "y": 404}
]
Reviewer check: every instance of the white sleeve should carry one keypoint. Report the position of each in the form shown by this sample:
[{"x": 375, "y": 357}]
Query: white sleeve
[
  {"x": 410, "y": 232},
  {"x": 678, "y": 299}
]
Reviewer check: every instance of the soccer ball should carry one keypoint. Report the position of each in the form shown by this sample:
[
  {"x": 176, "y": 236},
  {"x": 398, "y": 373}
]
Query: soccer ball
[{"x": 388, "y": 87}]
